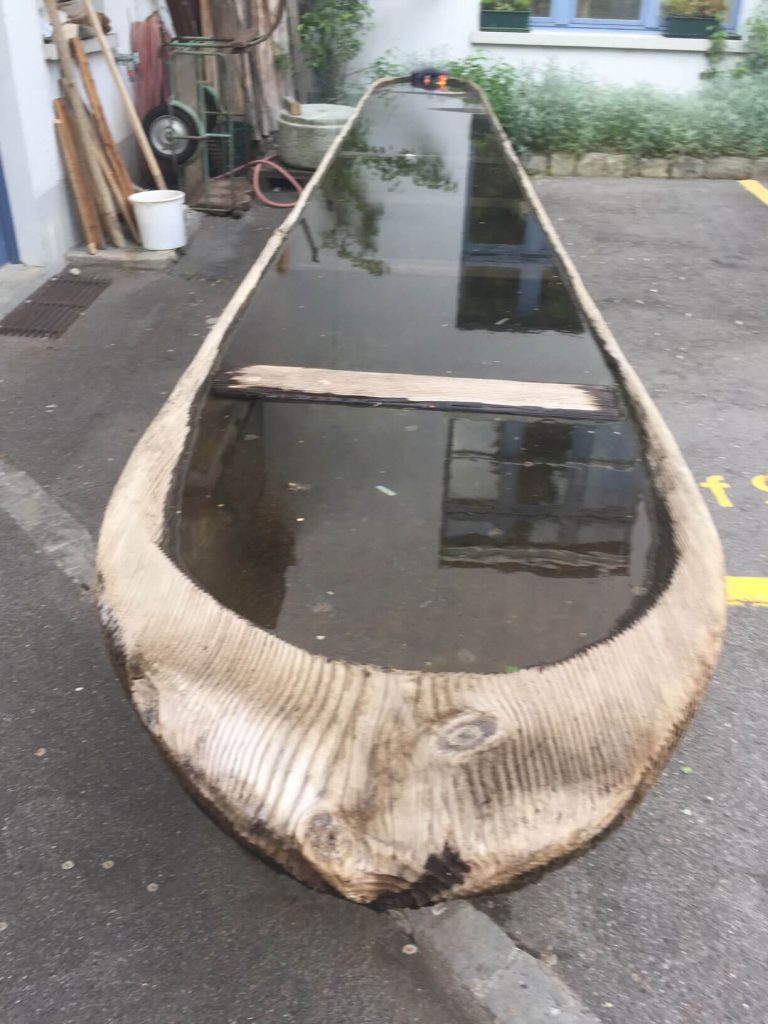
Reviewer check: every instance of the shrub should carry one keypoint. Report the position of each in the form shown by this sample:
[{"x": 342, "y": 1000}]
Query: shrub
[
  {"x": 505, "y": 5},
  {"x": 331, "y": 36},
  {"x": 756, "y": 39},
  {"x": 548, "y": 109},
  {"x": 696, "y": 8}
]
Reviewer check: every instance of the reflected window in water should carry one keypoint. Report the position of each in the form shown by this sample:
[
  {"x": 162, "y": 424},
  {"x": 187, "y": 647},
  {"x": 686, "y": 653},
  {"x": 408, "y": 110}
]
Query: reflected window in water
[
  {"x": 509, "y": 277},
  {"x": 556, "y": 499}
]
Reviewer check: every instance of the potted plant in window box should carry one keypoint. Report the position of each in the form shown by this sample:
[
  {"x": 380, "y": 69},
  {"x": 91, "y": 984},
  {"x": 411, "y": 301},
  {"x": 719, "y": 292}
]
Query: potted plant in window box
[
  {"x": 693, "y": 19},
  {"x": 505, "y": 15}
]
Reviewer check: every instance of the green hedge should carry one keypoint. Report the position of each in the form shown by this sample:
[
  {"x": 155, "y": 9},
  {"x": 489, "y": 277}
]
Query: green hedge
[{"x": 551, "y": 109}]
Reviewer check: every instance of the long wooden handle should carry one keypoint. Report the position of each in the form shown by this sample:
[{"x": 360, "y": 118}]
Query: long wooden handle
[{"x": 133, "y": 117}]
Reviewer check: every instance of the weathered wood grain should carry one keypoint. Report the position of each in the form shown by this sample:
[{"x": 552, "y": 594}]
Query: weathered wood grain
[
  {"x": 298, "y": 383},
  {"x": 397, "y": 785}
]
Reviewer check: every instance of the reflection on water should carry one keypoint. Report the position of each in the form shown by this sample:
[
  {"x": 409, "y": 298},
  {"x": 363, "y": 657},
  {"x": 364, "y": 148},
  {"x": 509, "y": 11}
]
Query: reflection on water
[
  {"x": 419, "y": 254},
  {"x": 408, "y": 538},
  {"x": 556, "y": 499},
  {"x": 506, "y": 540},
  {"x": 509, "y": 280},
  {"x": 354, "y": 229},
  {"x": 231, "y": 522}
]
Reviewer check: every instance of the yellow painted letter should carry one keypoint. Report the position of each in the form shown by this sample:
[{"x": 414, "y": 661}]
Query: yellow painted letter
[
  {"x": 718, "y": 486},
  {"x": 761, "y": 482}
]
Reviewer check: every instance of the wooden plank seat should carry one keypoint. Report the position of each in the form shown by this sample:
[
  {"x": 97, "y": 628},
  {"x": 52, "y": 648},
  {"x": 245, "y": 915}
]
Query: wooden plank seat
[{"x": 298, "y": 383}]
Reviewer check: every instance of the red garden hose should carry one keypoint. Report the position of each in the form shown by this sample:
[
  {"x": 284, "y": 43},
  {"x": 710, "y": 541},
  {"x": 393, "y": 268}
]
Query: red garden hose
[
  {"x": 147, "y": 39},
  {"x": 257, "y": 168},
  {"x": 257, "y": 165}
]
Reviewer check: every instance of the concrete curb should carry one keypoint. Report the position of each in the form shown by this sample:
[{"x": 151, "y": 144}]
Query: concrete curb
[
  {"x": 17, "y": 282},
  {"x": 133, "y": 257},
  {"x": 626, "y": 165},
  {"x": 512, "y": 986}
]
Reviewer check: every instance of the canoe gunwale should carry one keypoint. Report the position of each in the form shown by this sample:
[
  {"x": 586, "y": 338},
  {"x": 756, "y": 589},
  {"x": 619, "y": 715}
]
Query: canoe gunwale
[{"x": 399, "y": 785}]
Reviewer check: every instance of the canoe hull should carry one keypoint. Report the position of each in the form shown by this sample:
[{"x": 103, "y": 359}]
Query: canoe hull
[{"x": 396, "y": 786}]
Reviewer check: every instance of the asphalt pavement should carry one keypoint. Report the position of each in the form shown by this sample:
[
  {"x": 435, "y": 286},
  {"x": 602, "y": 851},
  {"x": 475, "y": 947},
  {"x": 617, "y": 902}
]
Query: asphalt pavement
[
  {"x": 121, "y": 902},
  {"x": 666, "y": 922}
]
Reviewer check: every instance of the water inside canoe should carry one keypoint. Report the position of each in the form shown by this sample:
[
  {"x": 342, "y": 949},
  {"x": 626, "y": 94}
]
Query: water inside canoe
[{"x": 410, "y": 538}]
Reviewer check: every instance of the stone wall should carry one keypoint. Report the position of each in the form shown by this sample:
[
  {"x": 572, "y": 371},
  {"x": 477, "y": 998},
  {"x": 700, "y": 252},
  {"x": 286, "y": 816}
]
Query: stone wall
[{"x": 625, "y": 165}]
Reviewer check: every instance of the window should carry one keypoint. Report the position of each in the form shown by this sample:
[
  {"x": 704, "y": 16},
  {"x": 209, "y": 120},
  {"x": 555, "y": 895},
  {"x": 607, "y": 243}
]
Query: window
[
  {"x": 613, "y": 14},
  {"x": 629, "y": 14}
]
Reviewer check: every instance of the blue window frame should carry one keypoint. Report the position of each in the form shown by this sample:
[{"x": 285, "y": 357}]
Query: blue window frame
[
  {"x": 641, "y": 15},
  {"x": 9, "y": 252}
]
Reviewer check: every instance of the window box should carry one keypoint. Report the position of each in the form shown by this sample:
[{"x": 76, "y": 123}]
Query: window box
[
  {"x": 91, "y": 45},
  {"x": 689, "y": 26},
  {"x": 612, "y": 16},
  {"x": 504, "y": 21}
]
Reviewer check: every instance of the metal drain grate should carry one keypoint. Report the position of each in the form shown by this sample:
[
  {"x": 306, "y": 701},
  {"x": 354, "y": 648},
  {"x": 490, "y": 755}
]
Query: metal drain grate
[{"x": 54, "y": 307}]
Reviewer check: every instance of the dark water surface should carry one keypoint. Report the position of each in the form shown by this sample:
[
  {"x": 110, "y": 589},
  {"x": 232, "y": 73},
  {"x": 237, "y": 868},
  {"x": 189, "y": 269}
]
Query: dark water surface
[{"x": 419, "y": 539}]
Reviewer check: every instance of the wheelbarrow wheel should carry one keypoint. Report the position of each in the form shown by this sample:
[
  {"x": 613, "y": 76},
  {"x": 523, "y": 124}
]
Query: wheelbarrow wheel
[{"x": 173, "y": 132}]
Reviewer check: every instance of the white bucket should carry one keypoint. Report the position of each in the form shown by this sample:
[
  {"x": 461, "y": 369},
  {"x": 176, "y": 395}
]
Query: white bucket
[{"x": 160, "y": 218}]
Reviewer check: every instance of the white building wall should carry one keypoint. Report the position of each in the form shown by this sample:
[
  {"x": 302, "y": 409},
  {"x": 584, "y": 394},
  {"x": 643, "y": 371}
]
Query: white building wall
[
  {"x": 121, "y": 13},
  {"x": 41, "y": 205},
  {"x": 435, "y": 30}
]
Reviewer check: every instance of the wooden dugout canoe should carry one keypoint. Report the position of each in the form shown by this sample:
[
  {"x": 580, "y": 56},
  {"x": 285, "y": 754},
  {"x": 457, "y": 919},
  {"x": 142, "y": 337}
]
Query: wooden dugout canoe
[{"x": 503, "y": 459}]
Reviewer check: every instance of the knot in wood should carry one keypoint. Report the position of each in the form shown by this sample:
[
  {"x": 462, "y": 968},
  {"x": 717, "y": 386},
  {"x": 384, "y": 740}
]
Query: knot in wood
[
  {"x": 467, "y": 732},
  {"x": 329, "y": 838}
]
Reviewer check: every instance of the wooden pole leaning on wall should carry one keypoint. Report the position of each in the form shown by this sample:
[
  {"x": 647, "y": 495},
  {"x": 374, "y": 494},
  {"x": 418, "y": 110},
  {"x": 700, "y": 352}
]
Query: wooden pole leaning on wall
[
  {"x": 121, "y": 200},
  {"x": 81, "y": 130},
  {"x": 109, "y": 157},
  {"x": 89, "y": 218},
  {"x": 207, "y": 29},
  {"x": 244, "y": 67},
  {"x": 84, "y": 139},
  {"x": 107, "y": 139},
  {"x": 130, "y": 109},
  {"x": 300, "y": 75}
]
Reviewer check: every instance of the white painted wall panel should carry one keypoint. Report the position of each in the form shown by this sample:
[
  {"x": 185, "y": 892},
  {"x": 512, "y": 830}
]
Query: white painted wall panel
[
  {"x": 42, "y": 209},
  {"x": 436, "y": 30}
]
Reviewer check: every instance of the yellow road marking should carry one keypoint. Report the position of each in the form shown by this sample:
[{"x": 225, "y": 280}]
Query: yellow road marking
[
  {"x": 758, "y": 190},
  {"x": 747, "y": 589}
]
